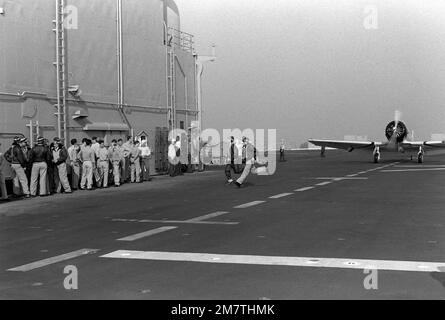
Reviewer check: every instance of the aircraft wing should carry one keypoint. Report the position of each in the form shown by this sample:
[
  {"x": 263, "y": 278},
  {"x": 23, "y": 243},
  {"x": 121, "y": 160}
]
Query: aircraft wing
[
  {"x": 345, "y": 145},
  {"x": 428, "y": 145}
]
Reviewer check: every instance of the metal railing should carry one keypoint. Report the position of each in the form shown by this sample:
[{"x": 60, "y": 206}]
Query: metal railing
[{"x": 182, "y": 40}]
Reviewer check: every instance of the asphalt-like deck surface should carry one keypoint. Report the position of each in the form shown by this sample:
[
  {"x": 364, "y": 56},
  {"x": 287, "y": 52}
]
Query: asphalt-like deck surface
[{"x": 393, "y": 214}]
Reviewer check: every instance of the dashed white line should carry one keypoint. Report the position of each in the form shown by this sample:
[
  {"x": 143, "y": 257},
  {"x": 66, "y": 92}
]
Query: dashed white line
[
  {"x": 343, "y": 178},
  {"x": 146, "y": 234},
  {"x": 304, "y": 189},
  {"x": 248, "y": 205},
  {"x": 414, "y": 170},
  {"x": 187, "y": 222},
  {"x": 53, "y": 260},
  {"x": 209, "y": 216},
  {"x": 282, "y": 195},
  {"x": 323, "y": 183},
  {"x": 340, "y": 263}
]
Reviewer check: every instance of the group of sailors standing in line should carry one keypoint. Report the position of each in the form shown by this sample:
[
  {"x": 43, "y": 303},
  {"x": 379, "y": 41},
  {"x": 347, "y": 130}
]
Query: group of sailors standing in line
[{"x": 50, "y": 168}]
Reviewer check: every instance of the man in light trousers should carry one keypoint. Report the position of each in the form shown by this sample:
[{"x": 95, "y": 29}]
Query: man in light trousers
[
  {"x": 60, "y": 155},
  {"x": 39, "y": 157},
  {"x": 18, "y": 166},
  {"x": 74, "y": 161},
  {"x": 103, "y": 164},
  {"x": 116, "y": 157},
  {"x": 88, "y": 158}
]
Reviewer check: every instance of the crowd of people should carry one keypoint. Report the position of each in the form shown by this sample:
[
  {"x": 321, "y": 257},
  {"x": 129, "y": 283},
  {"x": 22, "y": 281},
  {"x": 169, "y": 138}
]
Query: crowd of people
[{"x": 49, "y": 167}]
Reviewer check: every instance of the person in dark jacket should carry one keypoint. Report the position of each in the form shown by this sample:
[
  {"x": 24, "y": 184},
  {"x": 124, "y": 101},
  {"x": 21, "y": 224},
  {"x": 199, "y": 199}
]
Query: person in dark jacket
[
  {"x": 235, "y": 164},
  {"x": 60, "y": 156},
  {"x": 18, "y": 165},
  {"x": 27, "y": 152},
  {"x": 39, "y": 158},
  {"x": 50, "y": 185}
]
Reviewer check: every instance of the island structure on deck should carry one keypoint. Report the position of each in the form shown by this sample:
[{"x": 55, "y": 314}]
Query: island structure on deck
[{"x": 109, "y": 69}]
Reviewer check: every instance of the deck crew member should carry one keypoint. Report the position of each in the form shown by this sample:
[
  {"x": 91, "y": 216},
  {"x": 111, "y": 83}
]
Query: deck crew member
[
  {"x": 103, "y": 165},
  {"x": 127, "y": 146},
  {"x": 4, "y": 192},
  {"x": 120, "y": 147},
  {"x": 145, "y": 159},
  {"x": 87, "y": 156},
  {"x": 60, "y": 156},
  {"x": 282, "y": 148},
  {"x": 235, "y": 160},
  {"x": 116, "y": 157},
  {"x": 74, "y": 161},
  {"x": 18, "y": 165},
  {"x": 39, "y": 158},
  {"x": 172, "y": 160},
  {"x": 135, "y": 161},
  {"x": 248, "y": 159}
]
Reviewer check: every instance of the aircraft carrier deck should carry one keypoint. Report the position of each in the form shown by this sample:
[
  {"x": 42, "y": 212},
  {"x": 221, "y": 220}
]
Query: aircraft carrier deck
[{"x": 309, "y": 231}]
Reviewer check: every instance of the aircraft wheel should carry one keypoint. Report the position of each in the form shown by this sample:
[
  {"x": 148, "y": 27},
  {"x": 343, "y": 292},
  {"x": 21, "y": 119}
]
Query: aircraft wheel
[
  {"x": 376, "y": 157},
  {"x": 420, "y": 158}
]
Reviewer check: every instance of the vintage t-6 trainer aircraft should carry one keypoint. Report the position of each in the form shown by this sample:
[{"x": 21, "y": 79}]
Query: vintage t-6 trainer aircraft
[{"x": 396, "y": 133}]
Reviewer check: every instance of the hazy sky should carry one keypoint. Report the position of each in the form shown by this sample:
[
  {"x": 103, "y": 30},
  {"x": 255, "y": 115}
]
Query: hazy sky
[{"x": 310, "y": 69}]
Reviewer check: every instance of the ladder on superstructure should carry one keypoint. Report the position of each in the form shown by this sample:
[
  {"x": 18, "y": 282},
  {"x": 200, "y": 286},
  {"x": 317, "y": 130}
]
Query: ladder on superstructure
[
  {"x": 172, "y": 86},
  {"x": 59, "y": 29}
]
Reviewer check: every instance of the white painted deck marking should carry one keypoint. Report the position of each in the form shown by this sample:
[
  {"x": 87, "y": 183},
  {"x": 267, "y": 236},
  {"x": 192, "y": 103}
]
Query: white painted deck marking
[
  {"x": 278, "y": 196},
  {"x": 352, "y": 175},
  {"x": 209, "y": 216},
  {"x": 341, "y": 263},
  {"x": 248, "y": 205},
  {"x": 420, "y": 166},
  {"x": 186, "y": 222},
  {"x": 146, "y": 234},
  {"x": 304, "y": 189},
  {"x": 344, "y": 178},
  {"x": 414, "y": 170},
  {"x": 53, "y": 260},
  {"x": 323, "y": 183}
]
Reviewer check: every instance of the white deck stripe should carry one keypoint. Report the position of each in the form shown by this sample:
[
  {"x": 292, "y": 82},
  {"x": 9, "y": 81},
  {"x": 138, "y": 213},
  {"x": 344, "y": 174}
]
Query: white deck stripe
[
  {"x": 304, "y": 189},
  {"x": 352, "y": 175},
  {"x": 343, "y": 178},
  {"x": 390, "y": 265},
  {"x": 323, "y": 183},
  {"x": 209, "y": 216},
  {"x": 420, "y": 166},
  {"x": 278, "y": 196},
  {"x": 146, "y": 234},
  {"x": 414, "y": 170},
  {"x": 188, "y": 222},
  {"x": 53, "y": 260},
  {"x": 248, "y": 205}
]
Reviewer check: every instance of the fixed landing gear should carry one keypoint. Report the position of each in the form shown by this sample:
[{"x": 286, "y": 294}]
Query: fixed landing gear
[
  {"x": 323, "y": 152},
  {"x": 420, "y": 155},
  {"x": 376, "y": 155}
]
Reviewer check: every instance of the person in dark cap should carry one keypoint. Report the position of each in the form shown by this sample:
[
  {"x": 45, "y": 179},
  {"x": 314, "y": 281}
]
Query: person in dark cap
[
  {"x": 18, "y": 165},
  {"x": 27, "y": 153},
  {"x": 50, "y": 181},
  {"x": 60, "y": 156},
  {"x": 39, "y": 158}
]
